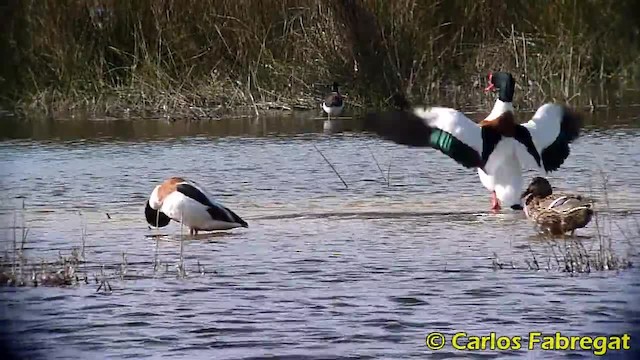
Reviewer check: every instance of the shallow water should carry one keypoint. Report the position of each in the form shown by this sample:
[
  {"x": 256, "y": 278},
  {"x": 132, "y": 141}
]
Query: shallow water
[{"x": 323, "y": 271}]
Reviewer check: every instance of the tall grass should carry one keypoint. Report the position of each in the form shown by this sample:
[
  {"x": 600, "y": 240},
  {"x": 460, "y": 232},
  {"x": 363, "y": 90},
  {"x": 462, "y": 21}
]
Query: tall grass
[{"x": 162, "y": 55}]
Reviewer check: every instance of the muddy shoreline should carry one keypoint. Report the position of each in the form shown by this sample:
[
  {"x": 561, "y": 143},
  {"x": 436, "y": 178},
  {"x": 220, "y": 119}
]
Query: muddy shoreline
[{"x": 469, "y": 98}]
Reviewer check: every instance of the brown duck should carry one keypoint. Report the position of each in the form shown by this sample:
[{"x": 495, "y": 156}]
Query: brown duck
[{"x": 556, "y": 214}]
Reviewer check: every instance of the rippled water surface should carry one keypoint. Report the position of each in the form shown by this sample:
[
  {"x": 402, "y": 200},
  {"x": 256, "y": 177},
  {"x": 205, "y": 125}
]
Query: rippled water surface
[{"x": 323, "y": 271}]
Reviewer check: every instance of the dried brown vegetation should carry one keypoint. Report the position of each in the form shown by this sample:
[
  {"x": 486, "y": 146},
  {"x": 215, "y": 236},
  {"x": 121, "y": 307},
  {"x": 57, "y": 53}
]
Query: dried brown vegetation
[
  {"x": 201, "y": 57},
  {"x": 21, "y": 266}
]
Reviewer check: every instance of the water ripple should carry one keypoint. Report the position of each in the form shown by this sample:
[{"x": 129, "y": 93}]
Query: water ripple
[{"x": 322, "y": 272}]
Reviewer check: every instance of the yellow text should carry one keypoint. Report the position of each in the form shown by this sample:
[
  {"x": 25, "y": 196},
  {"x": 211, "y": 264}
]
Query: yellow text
[
  {"x": 597, "y": 344},
  {"x": 463, "y": 341}
]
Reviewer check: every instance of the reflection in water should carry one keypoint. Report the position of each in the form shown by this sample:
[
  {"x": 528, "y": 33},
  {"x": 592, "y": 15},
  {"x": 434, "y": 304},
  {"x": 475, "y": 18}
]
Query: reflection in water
[
  {"x": 323, "y": 271},
  {"x": 282, "y": 125},
  {"x": 329, "y": 126}
]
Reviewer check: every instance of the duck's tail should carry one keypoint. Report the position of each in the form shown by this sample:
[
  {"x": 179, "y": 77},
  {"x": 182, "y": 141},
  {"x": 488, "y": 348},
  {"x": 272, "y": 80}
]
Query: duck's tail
[{"x": 579, "y": 216}]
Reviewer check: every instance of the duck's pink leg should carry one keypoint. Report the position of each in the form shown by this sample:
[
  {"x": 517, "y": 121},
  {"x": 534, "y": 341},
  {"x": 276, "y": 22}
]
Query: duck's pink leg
[{"x": 495, "y": 203}]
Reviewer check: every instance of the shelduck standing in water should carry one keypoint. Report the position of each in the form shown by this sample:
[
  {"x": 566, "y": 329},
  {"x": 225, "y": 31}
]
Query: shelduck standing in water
[
  {"x": 185, "y": 201},
  {"x": 505, "y": 85},
  {"x": 497, "y": 146},
  {"x": 333, "y": 103}
]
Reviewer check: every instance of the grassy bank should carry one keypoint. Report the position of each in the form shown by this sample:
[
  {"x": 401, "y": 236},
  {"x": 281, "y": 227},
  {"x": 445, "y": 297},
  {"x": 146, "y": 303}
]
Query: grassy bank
[{"x": 201, "y": 57}]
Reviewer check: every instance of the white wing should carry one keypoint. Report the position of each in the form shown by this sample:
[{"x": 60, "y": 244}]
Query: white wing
[
  {"x": 154, "y": 202},
  {"x": 453, "y": 122},
  {"x": 444, "y": 129},
  {"x": 552, "y": 128}
]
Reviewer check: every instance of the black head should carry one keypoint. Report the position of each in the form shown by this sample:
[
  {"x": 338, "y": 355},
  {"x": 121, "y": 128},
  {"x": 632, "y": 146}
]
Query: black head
[
  {"x": 154, "y": 216},
  {"x": 334, "y": 98},
  {"x": 539, "y": 187},
  {"x": 504, "y": 83}
]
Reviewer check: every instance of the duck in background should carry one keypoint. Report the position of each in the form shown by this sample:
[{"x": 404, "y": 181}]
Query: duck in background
[
  {"x": 187, "y": 202},
  {"x": 497, "y": 146},
  {"x": 556, "y": 214},
  {"x": 333, "y": 103}
]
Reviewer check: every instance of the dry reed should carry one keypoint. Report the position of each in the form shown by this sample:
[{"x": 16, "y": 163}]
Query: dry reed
[
  {"x": 200, "y": 59},
  {"x": 17, "y": 268}
]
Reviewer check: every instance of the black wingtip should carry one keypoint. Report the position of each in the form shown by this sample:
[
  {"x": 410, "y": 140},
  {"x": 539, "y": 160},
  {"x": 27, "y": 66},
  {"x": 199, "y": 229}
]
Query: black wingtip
[
  {"x": 407, "y": 128},
  {"x": 399, "y": 126},
  {"x": 236, "y": 218},
  {"x": 572, "y": 123},
  {"x": 570, "y": 126},
  {"x": 154, "y": 216}
]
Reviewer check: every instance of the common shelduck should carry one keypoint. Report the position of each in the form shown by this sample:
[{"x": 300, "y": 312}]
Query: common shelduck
[
  {"x": 187, "y": 202},
  {"x": 504, "y": 83},
  {"x": 497, "y": 146},
  {"x": 333, "y": 103},
  {"x": 556, "y": 213},
  {"x": 551, "y": 130}
]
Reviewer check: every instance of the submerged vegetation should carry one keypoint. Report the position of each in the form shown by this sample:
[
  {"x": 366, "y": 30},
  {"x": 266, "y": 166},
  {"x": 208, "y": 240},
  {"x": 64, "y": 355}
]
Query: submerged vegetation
[
  {"x": 21, "y": 266},
  {"x": 201, "y": 57},
  {"x": 600, "y": 250},
  {"x": 580, "y": 254},
  {"x": 570, "y": 255}
]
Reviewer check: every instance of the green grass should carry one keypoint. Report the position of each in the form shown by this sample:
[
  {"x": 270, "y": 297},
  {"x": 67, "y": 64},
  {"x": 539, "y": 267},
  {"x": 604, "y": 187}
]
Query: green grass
[{"x": 154, "y": 57}]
